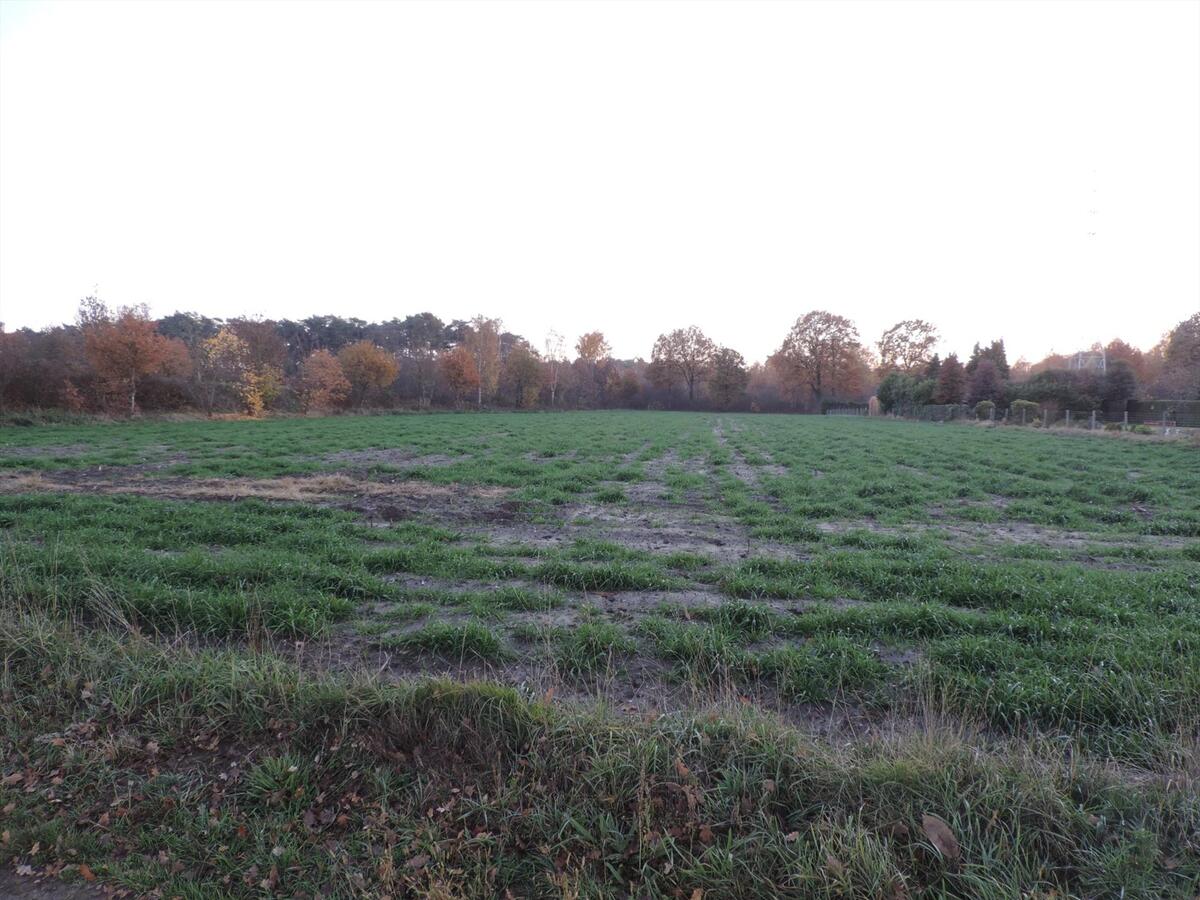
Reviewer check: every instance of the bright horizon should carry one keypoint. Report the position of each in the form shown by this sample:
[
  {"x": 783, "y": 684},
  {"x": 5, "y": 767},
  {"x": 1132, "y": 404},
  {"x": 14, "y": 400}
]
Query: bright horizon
[{"x": 1025, "y": 171}]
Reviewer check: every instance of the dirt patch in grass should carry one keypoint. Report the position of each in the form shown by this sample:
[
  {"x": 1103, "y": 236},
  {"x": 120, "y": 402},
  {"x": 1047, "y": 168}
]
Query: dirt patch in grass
[
  {"x": 1009, "y": 533},
  {"x": 39, "y": 886},
  {"x": 645, "y": 492},
  {"x": 655, "y": 527},
  {"x": 656, "y": 530},
  {"x": 664, "y": 529},
  {"x": 394, "y": 457},
  {"x": 50, "y": 450},
  {"x": 385, "y": 501},
  {"x": 742, "y": 469},
  {"x": 634, "y": 455},
  {"x": 541, "y": 456},
  {"x": 634, "y": 685}
]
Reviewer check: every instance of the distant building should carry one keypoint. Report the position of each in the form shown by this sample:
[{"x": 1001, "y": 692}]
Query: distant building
[{"x": 1088, "y": 361}]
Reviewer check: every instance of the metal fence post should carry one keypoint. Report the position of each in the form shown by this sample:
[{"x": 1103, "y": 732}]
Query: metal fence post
[
  {"x": 1125, "y": 421},
  {"x": 1092, "y": 426}
]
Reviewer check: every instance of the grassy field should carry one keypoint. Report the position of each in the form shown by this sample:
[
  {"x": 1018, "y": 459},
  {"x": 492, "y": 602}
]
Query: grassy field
[{"x": 598, "y": 654}]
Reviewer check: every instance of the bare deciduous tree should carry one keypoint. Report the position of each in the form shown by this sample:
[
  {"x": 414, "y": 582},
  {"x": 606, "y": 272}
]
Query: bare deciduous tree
[
  {"x": 684, "y": 354},
  {"x": 907, "y": 346},
  {"x": 554, "y": 360}
]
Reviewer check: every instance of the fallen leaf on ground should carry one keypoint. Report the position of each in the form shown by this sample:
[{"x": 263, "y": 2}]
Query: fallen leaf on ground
[{"x": 940, "y": 836}]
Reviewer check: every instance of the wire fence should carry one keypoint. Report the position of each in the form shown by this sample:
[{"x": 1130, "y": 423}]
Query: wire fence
[
  {"x": 1162, "y": 420},
  {"x": 1144, "y": 416}
]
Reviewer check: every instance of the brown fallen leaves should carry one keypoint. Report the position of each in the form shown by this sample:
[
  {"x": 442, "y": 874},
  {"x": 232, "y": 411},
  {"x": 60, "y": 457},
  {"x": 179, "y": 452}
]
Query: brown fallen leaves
[{"x": 941, "y": 836}]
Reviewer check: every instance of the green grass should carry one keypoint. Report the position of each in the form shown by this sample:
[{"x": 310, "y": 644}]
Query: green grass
[
  {"x": 459, "y": 641},
  {"x": 314, "y": 784},
  {"x": 1019, "y": 610},
  {"x": 591, "y": 648}
]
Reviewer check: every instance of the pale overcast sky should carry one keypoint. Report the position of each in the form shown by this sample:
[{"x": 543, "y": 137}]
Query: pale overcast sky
[{"x": 1018, "y": 169}]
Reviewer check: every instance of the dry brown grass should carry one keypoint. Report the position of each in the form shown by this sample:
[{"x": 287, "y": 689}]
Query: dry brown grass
[{"x": 297, "y": 488}]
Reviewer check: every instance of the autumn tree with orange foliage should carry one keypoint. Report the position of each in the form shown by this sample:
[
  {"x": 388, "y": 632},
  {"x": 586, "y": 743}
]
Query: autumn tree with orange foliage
[
  {"x": 323, "y": 384},
  {"x": 125, "y": 348},
  {"x": 224, "y": 363},
  {"x": 367, "y": 367},
  {"x": 821, "y": 357},
  {"x": 482, "y": 341},
  {"x": 592, "y": 347},
  {"x": 458, "y": 370}
]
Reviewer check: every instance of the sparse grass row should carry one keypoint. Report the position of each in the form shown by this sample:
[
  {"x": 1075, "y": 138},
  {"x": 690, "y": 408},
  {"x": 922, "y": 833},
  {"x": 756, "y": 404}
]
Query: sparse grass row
[
  {"x": 224, "y": 567},
  {"x": 1025, "y": 586},
  {"x": 904, "y": 472},
  {"x": 1121, "y": 691}
]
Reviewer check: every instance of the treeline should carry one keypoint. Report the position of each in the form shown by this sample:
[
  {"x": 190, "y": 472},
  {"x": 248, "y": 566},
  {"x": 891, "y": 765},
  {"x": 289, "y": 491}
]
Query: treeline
[
  {"x": 1101, "y": 377},
  {"x": 123, "y": 361}
]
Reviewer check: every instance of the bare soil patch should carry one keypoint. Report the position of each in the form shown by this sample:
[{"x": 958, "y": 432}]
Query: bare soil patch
[
  {"x": 742, "y": 469},
  {"x": 664, "y": 529},
  {"x": 1010, "y": 533},
  {"x": 47, "y": 450},
  {"x": 39, "y": 886},
  {"x": 385, "y": 501},
  {"x": 394, "y": 457}
]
